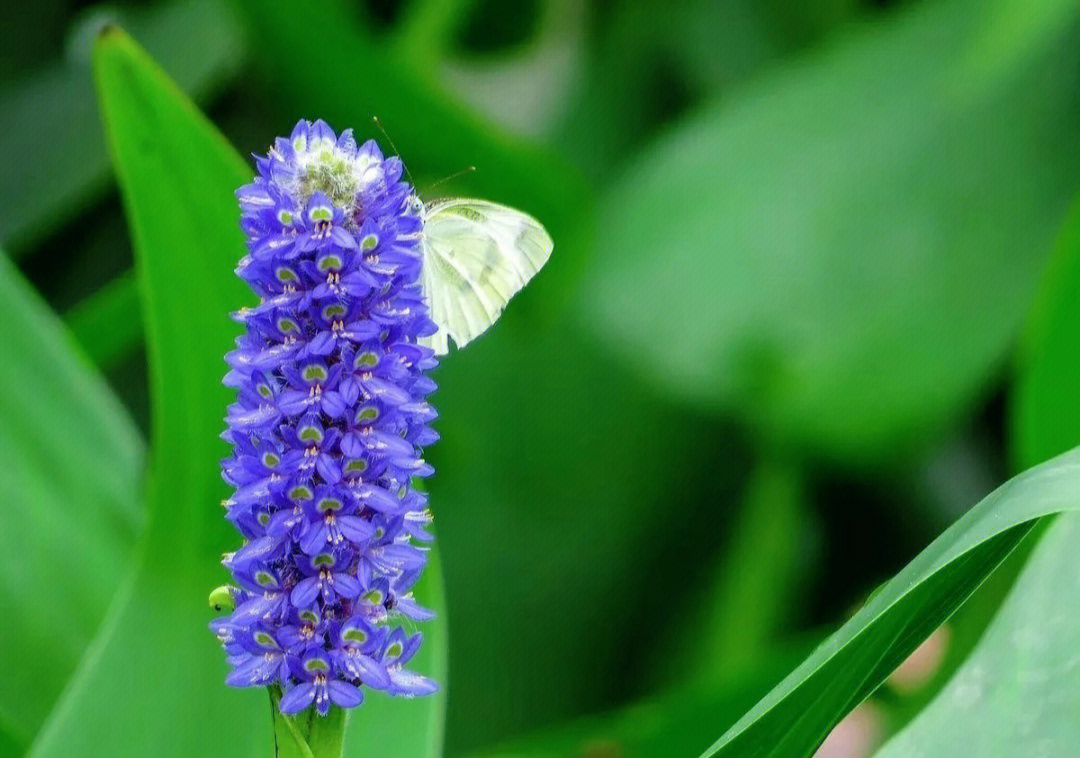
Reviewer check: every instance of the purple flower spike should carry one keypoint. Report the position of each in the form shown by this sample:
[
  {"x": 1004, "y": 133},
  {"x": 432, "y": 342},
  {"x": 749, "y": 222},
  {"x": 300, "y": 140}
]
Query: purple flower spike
[{"x": 327, "y": 426}]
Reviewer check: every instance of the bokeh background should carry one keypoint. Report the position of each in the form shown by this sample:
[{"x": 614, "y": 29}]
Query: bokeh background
[{"x": 796, "y": 244}]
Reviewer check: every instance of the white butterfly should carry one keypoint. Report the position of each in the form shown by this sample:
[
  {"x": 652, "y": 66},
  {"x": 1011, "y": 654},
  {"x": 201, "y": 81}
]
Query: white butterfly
[{"x": 477, "y": 255}]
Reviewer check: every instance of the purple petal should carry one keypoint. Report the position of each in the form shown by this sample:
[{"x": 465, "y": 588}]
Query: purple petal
[
  {"x": 372, "y": 673},
  {"x": 333, "y": 404},
  {"x": 402, "y": 556},
  {"x": 329, "y": 469},
  {"x": 351, "y": 445},
  {"x": 256, "y": 671},
  {"x": 378, "y": 498},
  {"x": 347, "y": 586},
  {"x": 355, "y": 529},
  {"x": 314, "y": 541},
  {"x": 345, "y": 694},
  {"x": 298, "y": 698},
  {"x": 321, "y": 344},
  {"x": 305, "y": 592},
  {"x": 412, "y": 609},
  {"x": 410, "y": 683},
  {"x": 293, "y": 402}
]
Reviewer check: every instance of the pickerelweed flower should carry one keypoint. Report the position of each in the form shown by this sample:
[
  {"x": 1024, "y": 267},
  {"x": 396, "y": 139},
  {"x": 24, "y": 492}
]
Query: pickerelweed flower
[{"x": 328, "y": 426}]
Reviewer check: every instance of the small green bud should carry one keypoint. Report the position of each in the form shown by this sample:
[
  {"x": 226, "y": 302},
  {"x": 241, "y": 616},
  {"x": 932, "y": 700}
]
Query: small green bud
[{"x": 222, "y": 599}]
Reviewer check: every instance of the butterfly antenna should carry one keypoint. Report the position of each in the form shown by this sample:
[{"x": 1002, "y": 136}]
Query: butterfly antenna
[
  {"x": 455, "y": 175},
  {"x": 393, "y": 147}
]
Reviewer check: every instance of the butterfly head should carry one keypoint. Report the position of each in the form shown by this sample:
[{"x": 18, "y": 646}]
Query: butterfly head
[{"x": 416, "y": 205}]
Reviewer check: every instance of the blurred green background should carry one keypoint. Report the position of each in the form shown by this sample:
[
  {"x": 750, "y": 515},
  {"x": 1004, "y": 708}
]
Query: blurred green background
[{"x": 796, "y": 244}]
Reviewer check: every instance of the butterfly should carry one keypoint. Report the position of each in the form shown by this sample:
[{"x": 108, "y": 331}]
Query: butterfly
[{"x": 477, "y": 255}]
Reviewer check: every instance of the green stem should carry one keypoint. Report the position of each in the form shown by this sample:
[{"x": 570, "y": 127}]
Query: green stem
[
  {"x": 754, "y": 589},
  {"x": 307, "y": 735}
]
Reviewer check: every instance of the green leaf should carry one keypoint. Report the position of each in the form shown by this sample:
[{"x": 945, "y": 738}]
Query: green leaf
[
  {"x": 56, "y": 167},
  {"x": 155, "y": 678},
  {"x": 847, "y": 246},
  {"x": 70, "y": 486},
  {"x": 795, "y": 717},
  {"x": 1016, "y": 695}
]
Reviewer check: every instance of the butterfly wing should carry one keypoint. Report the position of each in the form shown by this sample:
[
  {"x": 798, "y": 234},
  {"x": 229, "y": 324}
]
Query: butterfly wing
[{"x": 477, "y": 255}]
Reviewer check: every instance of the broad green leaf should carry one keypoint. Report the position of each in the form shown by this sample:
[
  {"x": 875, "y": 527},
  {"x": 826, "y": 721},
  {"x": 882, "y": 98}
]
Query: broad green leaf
[
  {"x": 841, "y": 253},
  {"x": 177, "y": 177},
  {"x": 795, "y": 717},
  {"x": 107, "y": 324},
  {"x": 1016, "y": 695},
  {"x": 155, "y": 656},
  {"x": 55, "y": 153},
  {"x": 70, "y": 483}
]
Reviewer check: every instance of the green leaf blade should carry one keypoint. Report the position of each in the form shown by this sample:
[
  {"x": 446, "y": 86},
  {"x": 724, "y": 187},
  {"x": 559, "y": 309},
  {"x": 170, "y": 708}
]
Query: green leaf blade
[
  {"x": 797, "y": 715},
  {"x": 1015, "y": 695},
  {"x": 823, "y": 221},
  {"x": 177, "y": 177},
  {"x": 71, "y": 488}
]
